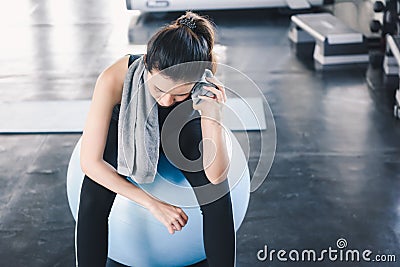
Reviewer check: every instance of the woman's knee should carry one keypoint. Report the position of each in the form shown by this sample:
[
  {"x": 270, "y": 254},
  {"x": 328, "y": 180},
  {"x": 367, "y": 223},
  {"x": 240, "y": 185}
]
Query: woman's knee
[
  {"x": 221, "y": 207},
  {"x": 95, "y": 200},
  {"x": 219, "y": 201}
]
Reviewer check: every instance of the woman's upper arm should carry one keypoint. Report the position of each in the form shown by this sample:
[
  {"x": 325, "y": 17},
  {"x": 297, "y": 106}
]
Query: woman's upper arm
[{"x": 107, "y": 93}]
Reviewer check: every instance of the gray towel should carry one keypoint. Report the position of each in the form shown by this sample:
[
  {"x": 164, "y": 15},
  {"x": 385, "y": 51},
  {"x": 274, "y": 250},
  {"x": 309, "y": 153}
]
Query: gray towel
[
  {"x": 138, "y": 129},
  {"x": 138, "y": 135}
]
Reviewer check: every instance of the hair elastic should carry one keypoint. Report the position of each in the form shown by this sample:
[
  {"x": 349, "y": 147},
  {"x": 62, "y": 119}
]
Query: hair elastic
[{"x": 188, "y": 23}]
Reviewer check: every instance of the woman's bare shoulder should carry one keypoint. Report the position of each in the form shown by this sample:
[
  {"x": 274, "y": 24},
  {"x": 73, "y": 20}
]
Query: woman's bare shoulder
[{"x": 114, "y": 75}]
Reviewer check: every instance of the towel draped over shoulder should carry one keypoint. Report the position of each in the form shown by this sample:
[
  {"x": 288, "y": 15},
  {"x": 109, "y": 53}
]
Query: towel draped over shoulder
[{"x": 138, "y": 129}]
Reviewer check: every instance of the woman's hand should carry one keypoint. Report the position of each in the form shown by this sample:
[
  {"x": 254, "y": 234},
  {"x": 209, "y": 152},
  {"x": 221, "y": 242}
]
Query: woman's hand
[
  {"x": 211, "y": 107},
  {"x": 172, "y": 217}
]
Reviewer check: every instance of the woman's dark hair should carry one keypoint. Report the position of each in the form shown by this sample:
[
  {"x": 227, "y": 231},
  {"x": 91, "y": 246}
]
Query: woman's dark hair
[{"x": 187, "y": 39}]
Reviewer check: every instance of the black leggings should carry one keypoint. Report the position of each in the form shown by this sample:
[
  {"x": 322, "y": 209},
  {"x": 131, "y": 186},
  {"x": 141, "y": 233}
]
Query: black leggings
[{"x": 96, "y": 202}]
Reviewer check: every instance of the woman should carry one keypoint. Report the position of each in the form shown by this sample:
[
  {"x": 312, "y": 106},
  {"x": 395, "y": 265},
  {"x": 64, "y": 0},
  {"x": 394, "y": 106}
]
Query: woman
[{"x": 189, "y": 38}]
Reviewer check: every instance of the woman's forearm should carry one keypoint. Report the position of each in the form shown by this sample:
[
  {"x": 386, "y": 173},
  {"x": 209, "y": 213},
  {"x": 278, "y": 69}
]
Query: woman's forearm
[
  {"x": 106, "y": 175},
  {"x": 215, "y": 153}
]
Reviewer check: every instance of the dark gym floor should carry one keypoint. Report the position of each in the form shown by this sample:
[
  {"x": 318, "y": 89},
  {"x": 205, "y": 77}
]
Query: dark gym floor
[{"x": 336, "y": 172}]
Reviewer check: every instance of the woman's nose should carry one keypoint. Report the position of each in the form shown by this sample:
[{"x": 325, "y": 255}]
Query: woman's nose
[{"x": 167, "y": 100}]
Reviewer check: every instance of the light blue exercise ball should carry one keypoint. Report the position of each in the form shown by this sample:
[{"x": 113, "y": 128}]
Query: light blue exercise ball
[{"x": 136, "y": 238}]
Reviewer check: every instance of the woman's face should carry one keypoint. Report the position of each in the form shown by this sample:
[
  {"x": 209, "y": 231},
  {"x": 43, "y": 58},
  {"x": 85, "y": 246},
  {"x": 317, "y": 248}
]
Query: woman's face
[{"x": 165, "y": 90}]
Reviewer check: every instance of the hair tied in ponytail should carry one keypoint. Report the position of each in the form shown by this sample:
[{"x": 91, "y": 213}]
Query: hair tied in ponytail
[
  {"x": 188, "y": 38},
  {"x": 188, "y": 23}
]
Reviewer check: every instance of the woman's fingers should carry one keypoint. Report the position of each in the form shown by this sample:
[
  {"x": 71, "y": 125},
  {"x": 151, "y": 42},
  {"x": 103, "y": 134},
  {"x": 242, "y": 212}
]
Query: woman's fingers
[
  {"x": 171, "y": 229},
  {"x": 184, "y": 216},
  {"x": 177, "y": 225},
  {"x": 220, "y": 86},
  {"x": 181, "y": 221},
  {"x": 215, "y": 81},
  {"x": 174, "y": 218},
  {"x": 177, "y": 220},
  {"x": 218, "y": 93}
]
